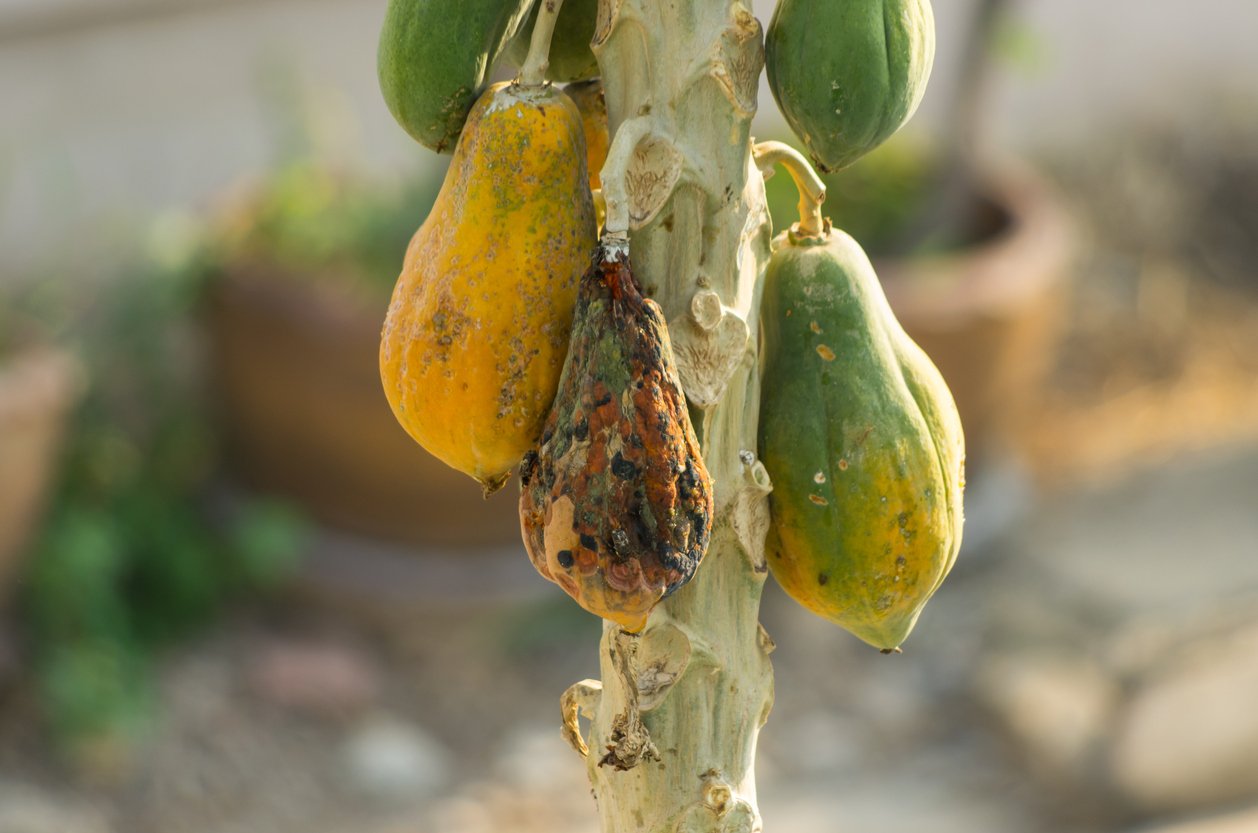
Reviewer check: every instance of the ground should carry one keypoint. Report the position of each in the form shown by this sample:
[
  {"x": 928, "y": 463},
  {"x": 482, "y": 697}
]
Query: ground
[{"x": 297, "y": 714}]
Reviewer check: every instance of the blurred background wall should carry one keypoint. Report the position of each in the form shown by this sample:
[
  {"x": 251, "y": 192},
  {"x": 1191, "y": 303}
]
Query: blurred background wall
[{"x": 115, "y": 110}]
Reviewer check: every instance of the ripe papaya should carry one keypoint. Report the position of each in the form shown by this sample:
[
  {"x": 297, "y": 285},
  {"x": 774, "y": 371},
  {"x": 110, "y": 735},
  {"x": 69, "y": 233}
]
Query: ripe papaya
[
  {"x": 570, "y": 56},
  {"x": 589, "y": 98},
  {"x": 847, "y": 74},
  {"x": 862, "y": 440},
  {"x": 435, "y": 59},
  {"x": 615, "y": 501},
  {"x": 477, "y": 329}
]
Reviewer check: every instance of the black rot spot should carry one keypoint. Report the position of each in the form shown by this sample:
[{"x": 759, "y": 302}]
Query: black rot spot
[
  {"x": 623, "y": 468},
  {"x": 565, "y": 559},
  {"x": 527, "y": 466},
  {"x": 589, "y": 543},
  {"x": 823, "y": 579}
]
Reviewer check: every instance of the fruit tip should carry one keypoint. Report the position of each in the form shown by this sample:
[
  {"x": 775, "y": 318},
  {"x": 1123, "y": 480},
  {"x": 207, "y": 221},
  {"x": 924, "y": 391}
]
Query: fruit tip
[{"x": 493, "y": 484}]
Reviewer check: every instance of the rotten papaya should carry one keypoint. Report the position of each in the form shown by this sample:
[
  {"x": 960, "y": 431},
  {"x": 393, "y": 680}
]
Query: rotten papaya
[{"x": 615, "y": 501}]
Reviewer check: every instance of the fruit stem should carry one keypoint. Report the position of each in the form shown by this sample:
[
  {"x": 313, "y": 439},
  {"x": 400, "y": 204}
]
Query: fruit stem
[
  {"x": 533, "y": 72},
  {"x": 616, "y": 222},
  {"x": 812, "y": 191}
]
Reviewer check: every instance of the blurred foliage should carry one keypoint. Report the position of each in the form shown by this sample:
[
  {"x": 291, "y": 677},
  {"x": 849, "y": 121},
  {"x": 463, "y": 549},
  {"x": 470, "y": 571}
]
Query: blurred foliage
[
  {"x": 136, "y": 551},
  {"x": 317, "y": 223},
  {"x": 1020, "y": 47},
  {"x": 539, "y": 627},
  {"x": 872, "y": 200},
  {"x": 17, "y": 328},
  {"x": 308, "y": 217}
]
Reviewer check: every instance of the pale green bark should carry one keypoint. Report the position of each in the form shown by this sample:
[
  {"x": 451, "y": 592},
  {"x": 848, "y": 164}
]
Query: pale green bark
[{"x": 681, "y": 79}]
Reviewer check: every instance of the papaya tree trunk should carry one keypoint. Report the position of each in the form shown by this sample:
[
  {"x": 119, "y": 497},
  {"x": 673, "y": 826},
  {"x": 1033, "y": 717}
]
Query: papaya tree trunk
[{"x": 682, "y": 186}]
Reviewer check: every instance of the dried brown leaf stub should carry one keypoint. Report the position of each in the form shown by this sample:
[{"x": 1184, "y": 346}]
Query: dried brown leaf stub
[{"x": 615, "y": 502}]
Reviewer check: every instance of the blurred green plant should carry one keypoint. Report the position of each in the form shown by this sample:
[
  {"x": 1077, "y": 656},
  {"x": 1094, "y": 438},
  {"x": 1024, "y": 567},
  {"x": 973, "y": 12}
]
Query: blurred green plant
[
  {"x": 308, "y": 216},
  {"x": 16, "y": 328},
  {"x": 318, "y": 223},
  {"x": 873, "y": 200},
  {"x": 135, "y": 551}
]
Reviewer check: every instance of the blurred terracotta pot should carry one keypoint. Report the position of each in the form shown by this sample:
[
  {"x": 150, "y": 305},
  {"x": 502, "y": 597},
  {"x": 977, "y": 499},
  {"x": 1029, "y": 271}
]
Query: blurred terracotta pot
[
  {"x": 294, "y": 361},
  {"x": 38, "y": 388},
  {"x": 990, "y": 314}
]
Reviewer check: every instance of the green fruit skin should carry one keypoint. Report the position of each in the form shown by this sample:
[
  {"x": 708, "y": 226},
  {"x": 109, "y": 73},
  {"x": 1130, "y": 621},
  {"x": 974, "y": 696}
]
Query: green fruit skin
[
  {"x": 435, "y": 58},
  {"x": 862, "y": 441},
  {"x": 847, "y": 74},
  {"x": 570, "y": 56}
]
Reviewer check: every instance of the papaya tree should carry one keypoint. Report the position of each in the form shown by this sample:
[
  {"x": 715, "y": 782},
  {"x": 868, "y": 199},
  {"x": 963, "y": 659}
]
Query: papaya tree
[{"x": 598, "y": 300}]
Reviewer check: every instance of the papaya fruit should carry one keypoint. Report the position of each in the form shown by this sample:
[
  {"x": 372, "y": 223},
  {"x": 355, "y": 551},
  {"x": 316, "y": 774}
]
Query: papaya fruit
[
  {"x": 477, "y": 329},
  {"x": 436, "y": 57},
  {"x": 847, "y": 74},
  {"x": 615, "y": 501},
  {"x": 862, "y": 440},
  {"x": 589, "y": 98},
  {"x": 571, "y": 58}
]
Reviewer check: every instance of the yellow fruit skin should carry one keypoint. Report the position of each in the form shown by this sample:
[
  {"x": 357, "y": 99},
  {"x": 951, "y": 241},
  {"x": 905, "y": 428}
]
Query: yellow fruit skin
[
  {"x": 477, "y": 330},
  {"x": 589, "y": 99}
]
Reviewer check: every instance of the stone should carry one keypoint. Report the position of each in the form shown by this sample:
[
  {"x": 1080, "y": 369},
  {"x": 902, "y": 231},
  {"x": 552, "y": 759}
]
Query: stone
[
  {"x": 935, "y": 799},
  {"x": 1056, "y": 707},
  {"x": 1132, "y": 549},
  {"x": 323, "y": 679},
  {"x": 392, "y": 758},
  {"x": 25, "y": 809},
  {"x": 820, "y": 742},
  {"x": 1244, "y": 821},
  {"x": 1120, "y": 646},
  {"x": 1189, "y": 737},
  {"x": 461, "y": 814},
  {"x": 537, "y": 758}
]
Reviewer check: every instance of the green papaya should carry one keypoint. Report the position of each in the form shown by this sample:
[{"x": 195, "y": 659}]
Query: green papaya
[
  {"x": 436, "y": 57},
  {"x": 570, "y": 56},
  {"x": 847, "y": 74},
  {"x": 862, "y": 440}
]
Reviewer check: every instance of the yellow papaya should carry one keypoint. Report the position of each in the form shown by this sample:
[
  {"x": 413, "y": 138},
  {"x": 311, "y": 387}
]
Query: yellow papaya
[
  {"x": 477, "y": 329},
  {"x": 862, "y": 440},
  {"x": 590, "y": 100}
]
